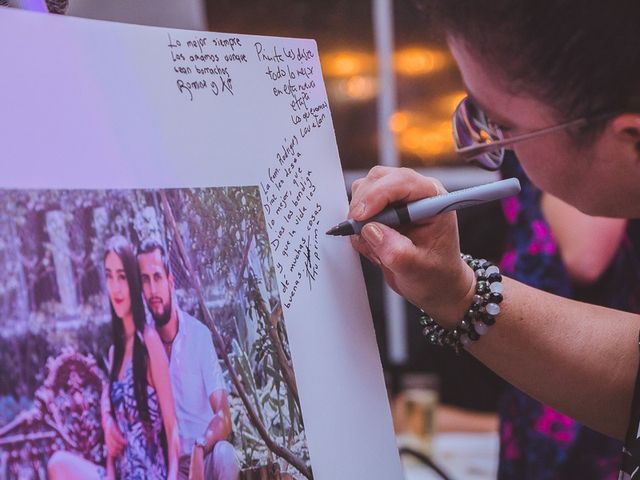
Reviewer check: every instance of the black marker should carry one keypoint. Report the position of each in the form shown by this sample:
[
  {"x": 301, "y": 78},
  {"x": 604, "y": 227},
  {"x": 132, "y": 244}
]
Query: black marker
[{"x": 420, "y": 210}]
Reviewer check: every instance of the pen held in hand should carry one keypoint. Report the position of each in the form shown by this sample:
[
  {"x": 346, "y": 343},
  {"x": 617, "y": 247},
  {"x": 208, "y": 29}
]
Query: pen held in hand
[{"x": 420, "y": 210}]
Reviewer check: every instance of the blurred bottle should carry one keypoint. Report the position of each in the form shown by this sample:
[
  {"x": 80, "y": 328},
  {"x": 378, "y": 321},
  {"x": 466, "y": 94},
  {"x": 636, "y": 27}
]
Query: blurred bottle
[{"x": 414, "y": 411}]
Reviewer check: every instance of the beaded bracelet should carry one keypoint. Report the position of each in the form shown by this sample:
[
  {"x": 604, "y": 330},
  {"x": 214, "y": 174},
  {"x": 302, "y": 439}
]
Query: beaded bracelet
[{"x": 480, "y": 315}]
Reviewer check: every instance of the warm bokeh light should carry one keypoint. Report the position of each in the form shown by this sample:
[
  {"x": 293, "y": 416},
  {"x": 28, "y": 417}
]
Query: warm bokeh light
[
  {"x": 411, "y": 61},
  {"x": 361, "y": 88},
  {"x": 423, "y": 131},
  {"x": 399, "y": 121},
  {"x": 415, "y": 61},
  {"x": 419, "y": 134},
  {"x": 358, "y": 88},
  {"x": 447, "y": 104},
  {"x": 426, "y": 140},
  {"x": 347, "y": 63}
]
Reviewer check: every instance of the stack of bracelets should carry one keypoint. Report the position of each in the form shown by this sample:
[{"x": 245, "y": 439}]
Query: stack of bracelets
[{"x": 480, "y": 315}]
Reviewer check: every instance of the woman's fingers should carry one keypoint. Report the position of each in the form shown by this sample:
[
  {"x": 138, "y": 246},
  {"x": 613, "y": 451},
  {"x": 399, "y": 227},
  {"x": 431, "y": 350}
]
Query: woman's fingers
[
  {"x": 355, "y": 185},
  {"x": 362, "y": 247},
  {"x": 375, "y": 173},
  {"x": 395, "y": 252},
  {"x": 421, "y": 262},
  {"x": 384, "y": 186}
]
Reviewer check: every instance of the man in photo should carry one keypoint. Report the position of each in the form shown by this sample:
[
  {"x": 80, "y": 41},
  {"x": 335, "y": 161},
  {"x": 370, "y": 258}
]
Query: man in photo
[{"x": 202, "y": 405}]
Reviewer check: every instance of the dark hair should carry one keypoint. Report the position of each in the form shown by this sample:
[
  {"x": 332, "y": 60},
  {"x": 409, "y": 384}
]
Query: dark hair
[
  {"x": 580, "y": 57},
  {"x": 150, "y": 245},
  {"x": 124, "y": 250}
]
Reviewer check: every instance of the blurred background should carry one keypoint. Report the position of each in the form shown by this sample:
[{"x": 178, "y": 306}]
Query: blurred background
[{"x": 392, "y": 88}]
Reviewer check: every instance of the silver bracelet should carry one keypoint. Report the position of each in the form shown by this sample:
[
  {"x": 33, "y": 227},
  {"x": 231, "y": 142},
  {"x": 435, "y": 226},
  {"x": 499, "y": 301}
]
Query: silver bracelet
[{"x": 478, "y": 317}]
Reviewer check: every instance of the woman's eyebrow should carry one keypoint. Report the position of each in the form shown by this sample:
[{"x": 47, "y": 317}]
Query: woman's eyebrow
[{"x": 118, "y": 270}]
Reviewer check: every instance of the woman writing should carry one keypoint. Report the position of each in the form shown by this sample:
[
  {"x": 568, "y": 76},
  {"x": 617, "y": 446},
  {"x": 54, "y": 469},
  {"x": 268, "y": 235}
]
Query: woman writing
[{"x": 556, "y": 81}]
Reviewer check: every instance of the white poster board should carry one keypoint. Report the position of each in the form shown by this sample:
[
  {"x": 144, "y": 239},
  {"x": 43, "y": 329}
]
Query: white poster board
[{"x": 104, "y": 106}]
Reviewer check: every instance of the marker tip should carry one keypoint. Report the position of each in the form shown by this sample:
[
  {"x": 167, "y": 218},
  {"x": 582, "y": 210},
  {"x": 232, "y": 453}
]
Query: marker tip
[{"x": 332, "y": 230}]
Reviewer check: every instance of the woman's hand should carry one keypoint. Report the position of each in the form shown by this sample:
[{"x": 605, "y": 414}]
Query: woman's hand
[
  {"x": 113, "y": 437},
  {"x": 196, "y": 466},
  {"x": 111, "y": 469},
  {"x": 420, "y": 262}
]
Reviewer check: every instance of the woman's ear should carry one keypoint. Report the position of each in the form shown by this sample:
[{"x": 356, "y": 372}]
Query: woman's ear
[{"x": 626, "y": 128}]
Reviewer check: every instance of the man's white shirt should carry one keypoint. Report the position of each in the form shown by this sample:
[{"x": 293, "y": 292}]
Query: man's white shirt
[{"x": 195, "y": 374}]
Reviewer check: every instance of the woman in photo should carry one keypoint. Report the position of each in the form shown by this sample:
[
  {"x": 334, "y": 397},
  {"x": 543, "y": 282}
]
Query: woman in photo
[{"x": 140, "y": 399}]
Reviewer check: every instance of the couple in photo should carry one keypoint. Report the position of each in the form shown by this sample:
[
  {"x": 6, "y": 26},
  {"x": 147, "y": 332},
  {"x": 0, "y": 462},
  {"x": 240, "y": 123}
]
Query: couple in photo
[{"x": 165, "y": 413}]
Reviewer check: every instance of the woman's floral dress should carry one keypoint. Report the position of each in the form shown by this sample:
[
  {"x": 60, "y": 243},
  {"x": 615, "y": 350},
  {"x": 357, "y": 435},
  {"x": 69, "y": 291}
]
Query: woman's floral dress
[
  {"x": 537, "y": 442},
  {"x": 143, "y": 456}
]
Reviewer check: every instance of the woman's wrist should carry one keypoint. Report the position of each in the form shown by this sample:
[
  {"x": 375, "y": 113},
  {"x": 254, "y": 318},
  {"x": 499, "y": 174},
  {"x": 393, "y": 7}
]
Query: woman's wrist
[
  {"x": 457, "y": 301},
  {"x": 482, "y": 308}
]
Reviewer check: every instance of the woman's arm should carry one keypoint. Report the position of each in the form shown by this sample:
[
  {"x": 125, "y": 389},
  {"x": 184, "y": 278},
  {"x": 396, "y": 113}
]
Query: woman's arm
[
  {"x": 587, "y": 244},
  {"x": 580, "y": 359},
  {"x": 159, "y": 367},
  {"x": 557, "y": 350},
  {"x": 111, "y": 468},
  {"x": 113, "y": 437}
]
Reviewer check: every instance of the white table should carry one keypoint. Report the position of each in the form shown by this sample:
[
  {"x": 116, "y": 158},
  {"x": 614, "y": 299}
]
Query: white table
[{"x": 462, "y": 456}]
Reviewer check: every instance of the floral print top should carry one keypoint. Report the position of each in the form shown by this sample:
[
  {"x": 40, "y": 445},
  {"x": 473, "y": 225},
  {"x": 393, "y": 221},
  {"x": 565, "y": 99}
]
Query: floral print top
[
  {"x": 143, "y": 456},
  {"x": 537, "y": 442}
]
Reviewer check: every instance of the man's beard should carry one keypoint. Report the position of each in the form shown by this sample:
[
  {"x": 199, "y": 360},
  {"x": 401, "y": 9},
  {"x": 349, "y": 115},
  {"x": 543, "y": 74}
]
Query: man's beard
[{"x": 163, "y": 317}]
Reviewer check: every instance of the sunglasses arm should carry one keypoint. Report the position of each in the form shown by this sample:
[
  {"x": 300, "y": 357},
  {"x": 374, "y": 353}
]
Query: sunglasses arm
[{"x": 472, "y": 151}]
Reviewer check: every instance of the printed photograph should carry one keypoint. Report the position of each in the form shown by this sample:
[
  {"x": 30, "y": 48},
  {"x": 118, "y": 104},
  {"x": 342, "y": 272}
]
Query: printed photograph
[{"x": 142, "y": 337}]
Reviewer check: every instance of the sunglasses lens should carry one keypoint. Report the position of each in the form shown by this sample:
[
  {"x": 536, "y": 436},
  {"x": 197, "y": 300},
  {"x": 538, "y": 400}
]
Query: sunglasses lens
[
  {"x": 472, "y": 128},
  {"x": 490, "y": 161}
]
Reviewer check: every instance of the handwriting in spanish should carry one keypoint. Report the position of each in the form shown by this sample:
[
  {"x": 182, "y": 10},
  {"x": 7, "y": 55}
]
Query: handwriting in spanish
[
  {"x": 292, "y": 211},
  {"x": 292, "y": 72},
  {"x": 204, "y": 64}
]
